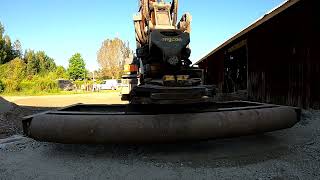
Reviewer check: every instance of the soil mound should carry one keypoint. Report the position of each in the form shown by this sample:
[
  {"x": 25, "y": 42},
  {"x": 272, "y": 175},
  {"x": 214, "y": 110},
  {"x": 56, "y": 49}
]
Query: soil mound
[
  {"x": 6, "y": 106},
  {"x": 10, "y": 118}
]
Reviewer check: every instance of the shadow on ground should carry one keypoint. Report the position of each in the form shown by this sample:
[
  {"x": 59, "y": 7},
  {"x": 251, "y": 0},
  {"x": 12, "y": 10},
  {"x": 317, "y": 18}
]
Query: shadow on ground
[{"x": 217, "y": 153}]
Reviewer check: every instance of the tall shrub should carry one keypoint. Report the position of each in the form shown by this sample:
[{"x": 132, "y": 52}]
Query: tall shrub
[{"x": 12, "y": 74}]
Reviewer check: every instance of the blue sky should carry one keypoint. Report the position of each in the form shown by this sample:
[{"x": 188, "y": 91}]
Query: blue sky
[{"x": 64, "y": 27}]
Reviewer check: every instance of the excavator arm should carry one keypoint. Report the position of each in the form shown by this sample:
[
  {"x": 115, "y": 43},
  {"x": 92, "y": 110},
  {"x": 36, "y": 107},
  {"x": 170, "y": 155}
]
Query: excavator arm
[{"x": 157, "y": 14}]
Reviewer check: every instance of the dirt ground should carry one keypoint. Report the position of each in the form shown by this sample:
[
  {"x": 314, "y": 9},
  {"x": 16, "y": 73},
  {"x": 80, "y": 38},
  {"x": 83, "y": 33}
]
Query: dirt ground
[
  {"x": 289, "y": 154},
  {"x": 65, "y": 100}
]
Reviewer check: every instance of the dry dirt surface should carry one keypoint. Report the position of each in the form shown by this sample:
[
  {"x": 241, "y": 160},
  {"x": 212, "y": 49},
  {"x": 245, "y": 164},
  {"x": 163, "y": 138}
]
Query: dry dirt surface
[
  {"x": 289, "y": 154},
  {"x": 66, "y": 100}
]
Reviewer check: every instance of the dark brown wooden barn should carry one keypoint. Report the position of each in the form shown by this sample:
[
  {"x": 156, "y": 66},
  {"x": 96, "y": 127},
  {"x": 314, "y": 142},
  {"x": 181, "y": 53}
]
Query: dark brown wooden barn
[{"x": 276, "y": 59}]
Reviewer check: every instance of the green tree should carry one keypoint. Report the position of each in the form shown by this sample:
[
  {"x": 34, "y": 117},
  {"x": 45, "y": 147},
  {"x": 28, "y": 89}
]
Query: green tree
[
  {"x": 7, "y": 50},
  {"x": 77, "y": 67},
  {"x": 46, "y": 64},
  {"x": 2, "y": 45},
  {"x": 1, "y": 30},
  {"x": 3, "y": 49},
  {"x": 38, "y": 63},
  {"x": 33, "y": 64},
  {"x": 17, "y": 48},
  {"x": 61, "y": 72}
]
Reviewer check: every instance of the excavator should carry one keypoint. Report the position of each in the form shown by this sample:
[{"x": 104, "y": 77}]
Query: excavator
[
  {"x": 163, "y": 52},
  {"x": 168, "y": 98}
]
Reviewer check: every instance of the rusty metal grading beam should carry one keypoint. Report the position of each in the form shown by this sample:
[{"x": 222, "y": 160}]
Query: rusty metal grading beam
[{"x": 83, "y": 124}]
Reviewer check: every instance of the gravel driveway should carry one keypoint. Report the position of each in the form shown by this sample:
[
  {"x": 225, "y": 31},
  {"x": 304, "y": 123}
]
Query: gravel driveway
[{"x": 287, "y": 154}]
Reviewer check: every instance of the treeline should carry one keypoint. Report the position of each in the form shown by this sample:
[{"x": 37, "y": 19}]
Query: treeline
[
  {"x": 29, "y": 71},
  {"x": 33, "y": 72}
]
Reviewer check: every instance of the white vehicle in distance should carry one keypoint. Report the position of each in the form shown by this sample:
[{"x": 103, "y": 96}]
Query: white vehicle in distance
[{"x": 109, "y": 85}]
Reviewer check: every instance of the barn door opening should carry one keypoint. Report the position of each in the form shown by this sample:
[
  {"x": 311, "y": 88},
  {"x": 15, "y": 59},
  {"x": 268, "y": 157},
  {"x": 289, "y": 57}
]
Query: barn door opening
[{"x": 236, "y": 68}]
